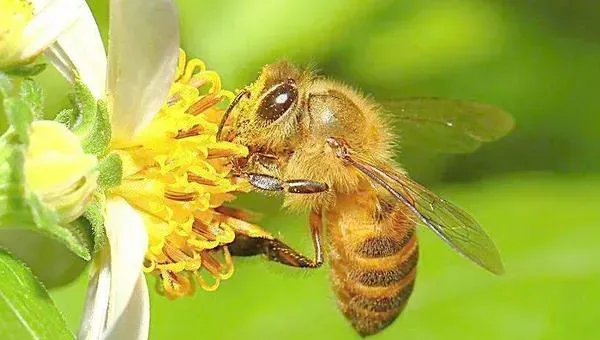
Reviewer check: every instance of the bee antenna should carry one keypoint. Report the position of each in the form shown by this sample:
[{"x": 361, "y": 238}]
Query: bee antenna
[{"x": 233, "y": 103}]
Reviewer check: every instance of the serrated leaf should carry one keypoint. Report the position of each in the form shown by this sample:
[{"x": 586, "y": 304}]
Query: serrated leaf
[
  {"x": 82, "y": 230},
  {"x": 68, "y": 117},
  {"x": 13, "y": 208},
  {"x": 86, "y": 106},
  {"x": 26, "y": 70},
  {"x": 111, "y": 171},
  {"x": 94, "y": 214},
  {"x": 26, "y": 310},
  {"x": 89, "y": 120},
  {"x": 47, "y": 221},
  {"x": 97, "y": 140},
  {"x": 34, "y": 95},
  {"x": 19, "y": 115}
]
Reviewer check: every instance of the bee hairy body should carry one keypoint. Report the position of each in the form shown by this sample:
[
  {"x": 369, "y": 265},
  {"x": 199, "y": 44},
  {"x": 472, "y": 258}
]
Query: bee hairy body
[
  {"x": 330, "y": 151},
  {"x": 373, "y": 254},
  {"x": 370, "y": 241}
]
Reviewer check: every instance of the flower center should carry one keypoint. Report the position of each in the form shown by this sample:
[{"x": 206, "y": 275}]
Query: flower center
[{"x": 177, "y": 175}]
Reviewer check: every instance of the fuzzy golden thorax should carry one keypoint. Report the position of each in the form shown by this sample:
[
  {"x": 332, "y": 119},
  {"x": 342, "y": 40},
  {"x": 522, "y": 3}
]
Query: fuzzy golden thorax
[{"x": 287, "y": 114}]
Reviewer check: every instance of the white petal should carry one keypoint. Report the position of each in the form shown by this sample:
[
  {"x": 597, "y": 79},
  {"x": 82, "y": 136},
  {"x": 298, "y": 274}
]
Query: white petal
[
  {"x": 96, "y": 300},
  {"x": 128, "y": 242},
  {"x": 134, "y": 323},
  {"x": 39, "y": 5},
  {"x": 143, "y": 51},
  {"x": 49, "y": 21},
  {"x": 79, "y": 49}
]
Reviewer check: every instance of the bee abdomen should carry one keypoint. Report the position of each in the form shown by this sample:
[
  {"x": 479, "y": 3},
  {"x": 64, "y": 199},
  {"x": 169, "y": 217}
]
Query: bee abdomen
[
  {"x": 374, "y": 284},
  {"x": 385, "y": 278},
  {"x": 379, "y": 246},
  {"x": 369, "y": 316}
]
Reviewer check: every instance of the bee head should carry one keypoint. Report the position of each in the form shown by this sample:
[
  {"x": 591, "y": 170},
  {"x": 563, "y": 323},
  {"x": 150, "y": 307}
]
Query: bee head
[{"x": 264, "y": 113}]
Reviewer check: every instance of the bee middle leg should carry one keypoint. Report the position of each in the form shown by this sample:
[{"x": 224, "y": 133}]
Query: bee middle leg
[{"x": 276, "y": 250}]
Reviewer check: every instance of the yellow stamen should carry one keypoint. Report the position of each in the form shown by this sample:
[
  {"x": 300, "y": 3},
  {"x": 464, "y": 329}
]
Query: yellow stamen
[{"x": 176, "y": 174}]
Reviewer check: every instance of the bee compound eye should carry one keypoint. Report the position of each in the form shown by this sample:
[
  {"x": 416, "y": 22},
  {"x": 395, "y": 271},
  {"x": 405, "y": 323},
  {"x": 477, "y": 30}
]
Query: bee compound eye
[{"x": 278, "y": 101}]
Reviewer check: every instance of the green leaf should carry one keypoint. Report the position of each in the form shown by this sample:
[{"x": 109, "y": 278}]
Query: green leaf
[
  {"x": 95, "y": 217},
  {"x": 5, "y": 84},
  {"x": 89, "y": 120},
  {"x": 34, "y": 95},
  {"x": 97, "y": 140},
  {"x": 13, "y": 206},
  {"x": 19, "y": 115},
  {"x": 51, "y": 262},
  {"x": 68, "y": 117},
  {"x": 85, "y": 105},
  {"x": 26, "y": 70},
  {"x": 26, "y": 310},
  {"x": 111, "y": 171},
  {"x": 71, "y": 236},
  {"x": 82, "y": 230}
]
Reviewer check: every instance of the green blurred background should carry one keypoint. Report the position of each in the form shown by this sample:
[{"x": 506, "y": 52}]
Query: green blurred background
[{"x": 536, "y": 191}]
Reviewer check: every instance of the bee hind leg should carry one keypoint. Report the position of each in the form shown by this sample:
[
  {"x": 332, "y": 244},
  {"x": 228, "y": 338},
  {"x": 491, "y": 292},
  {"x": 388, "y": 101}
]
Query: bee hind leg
[{"x": 278, "y": 251}]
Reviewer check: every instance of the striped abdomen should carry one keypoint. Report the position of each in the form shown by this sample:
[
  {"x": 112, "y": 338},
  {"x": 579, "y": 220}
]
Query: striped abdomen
[{"x": 373, "y": 262}]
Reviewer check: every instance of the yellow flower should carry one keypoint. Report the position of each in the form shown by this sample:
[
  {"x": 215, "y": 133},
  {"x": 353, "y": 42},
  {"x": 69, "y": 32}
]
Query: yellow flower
[
  {"x": 165, "y": 217},
  {"x": 175, "y": 176},
  {"x": 58, "y": 171}
]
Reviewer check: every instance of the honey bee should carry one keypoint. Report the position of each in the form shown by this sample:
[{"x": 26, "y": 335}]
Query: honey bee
[{"x": 329, "y": 149}]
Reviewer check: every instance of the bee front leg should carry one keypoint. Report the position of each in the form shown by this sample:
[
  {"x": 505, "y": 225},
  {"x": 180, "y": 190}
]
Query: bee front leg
[
  {"x": 298, "y": 186},
  {"x": 252, "y": 167},
  {"x": 276, "y": 250}
]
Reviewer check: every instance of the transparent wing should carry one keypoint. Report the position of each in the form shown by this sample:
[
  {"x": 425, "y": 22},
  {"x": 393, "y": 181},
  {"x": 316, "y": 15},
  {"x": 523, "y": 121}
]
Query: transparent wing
[
  {"x": 447, "y": 125},
  {"x": 448, "y": 221}
]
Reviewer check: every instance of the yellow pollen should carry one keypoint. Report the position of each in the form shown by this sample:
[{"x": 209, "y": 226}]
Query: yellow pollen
[{"x": 177, "y": 175}]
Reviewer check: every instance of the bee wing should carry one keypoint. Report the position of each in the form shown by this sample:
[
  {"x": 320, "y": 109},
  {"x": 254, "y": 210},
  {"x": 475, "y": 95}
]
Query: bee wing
[
  {"x": 448, "y": 221},
  {"x": 447, "y": 125}
]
